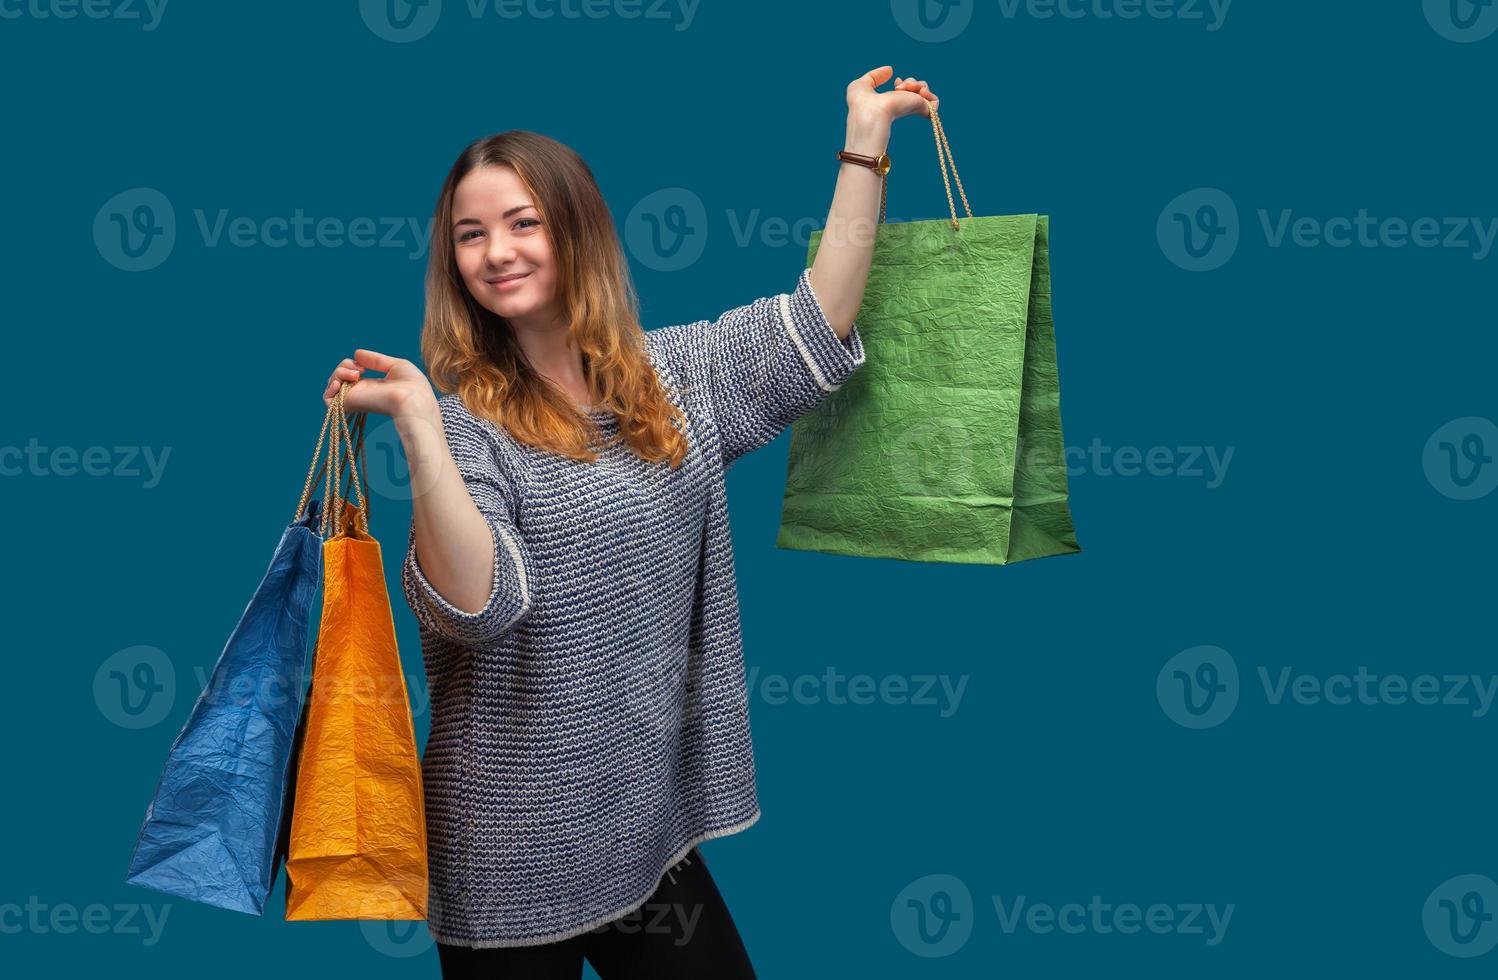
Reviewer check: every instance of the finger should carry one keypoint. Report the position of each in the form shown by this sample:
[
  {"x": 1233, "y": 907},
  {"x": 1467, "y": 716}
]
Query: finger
[{"x": 374, "y": 360}]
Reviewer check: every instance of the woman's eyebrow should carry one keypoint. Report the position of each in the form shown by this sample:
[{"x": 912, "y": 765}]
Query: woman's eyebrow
[{"x": 474, "y": 221}]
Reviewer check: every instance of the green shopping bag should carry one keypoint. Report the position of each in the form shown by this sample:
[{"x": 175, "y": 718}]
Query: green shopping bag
[{"x": 946, "y": 446}]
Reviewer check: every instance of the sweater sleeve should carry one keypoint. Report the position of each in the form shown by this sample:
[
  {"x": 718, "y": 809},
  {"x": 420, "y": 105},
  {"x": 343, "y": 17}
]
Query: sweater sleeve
[
  {"x": 770, "y": 362},
  {"x": 493, "y": 493}
]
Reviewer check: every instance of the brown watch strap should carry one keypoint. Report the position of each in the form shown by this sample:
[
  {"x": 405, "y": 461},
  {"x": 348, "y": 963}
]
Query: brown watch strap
[
  {"x": 861, "y": 159},
  {"x": 880, "y": 166}
]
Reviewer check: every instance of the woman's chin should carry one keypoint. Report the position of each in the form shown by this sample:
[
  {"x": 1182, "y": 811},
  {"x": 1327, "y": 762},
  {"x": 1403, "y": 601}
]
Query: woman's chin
[{"x": 509, "y": 308}]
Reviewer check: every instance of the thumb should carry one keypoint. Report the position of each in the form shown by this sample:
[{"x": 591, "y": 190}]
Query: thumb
[
  {"x": 880, "y": 75},
  {"x": 373, "y": 360}
]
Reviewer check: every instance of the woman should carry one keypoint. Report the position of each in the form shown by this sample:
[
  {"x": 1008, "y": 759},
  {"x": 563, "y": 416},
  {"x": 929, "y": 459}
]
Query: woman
[{"x": 569, "y": 561}]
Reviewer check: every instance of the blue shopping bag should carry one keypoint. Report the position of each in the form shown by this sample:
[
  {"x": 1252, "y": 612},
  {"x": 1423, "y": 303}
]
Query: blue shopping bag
[{"x": 216, "y": 830}]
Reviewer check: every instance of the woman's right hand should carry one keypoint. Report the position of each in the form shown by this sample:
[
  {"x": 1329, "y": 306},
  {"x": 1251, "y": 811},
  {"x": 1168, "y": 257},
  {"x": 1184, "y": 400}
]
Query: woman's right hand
[{"x": 403, "y": 389}]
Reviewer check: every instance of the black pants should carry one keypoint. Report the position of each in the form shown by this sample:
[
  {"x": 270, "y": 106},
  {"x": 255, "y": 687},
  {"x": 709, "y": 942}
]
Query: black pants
[{"x": 682, "y": 932}]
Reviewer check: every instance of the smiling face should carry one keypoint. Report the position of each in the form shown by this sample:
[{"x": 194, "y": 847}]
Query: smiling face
[{"x": 502, "y": 248}]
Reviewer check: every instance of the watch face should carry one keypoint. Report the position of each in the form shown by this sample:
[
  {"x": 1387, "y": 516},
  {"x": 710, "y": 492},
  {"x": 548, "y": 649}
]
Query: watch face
[{"x": 881, "y": 165}]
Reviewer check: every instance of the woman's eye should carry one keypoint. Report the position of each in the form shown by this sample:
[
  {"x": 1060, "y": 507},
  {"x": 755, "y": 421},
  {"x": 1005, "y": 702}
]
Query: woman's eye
[{"x": 523, "y": 222}]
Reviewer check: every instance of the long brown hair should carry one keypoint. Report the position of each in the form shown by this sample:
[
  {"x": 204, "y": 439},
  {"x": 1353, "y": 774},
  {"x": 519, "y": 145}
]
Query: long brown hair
[{"x": 473, "y": 352}]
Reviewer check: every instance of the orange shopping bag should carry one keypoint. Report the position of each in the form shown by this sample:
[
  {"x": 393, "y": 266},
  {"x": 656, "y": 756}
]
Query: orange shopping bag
[{"x": 358, "y": 827}]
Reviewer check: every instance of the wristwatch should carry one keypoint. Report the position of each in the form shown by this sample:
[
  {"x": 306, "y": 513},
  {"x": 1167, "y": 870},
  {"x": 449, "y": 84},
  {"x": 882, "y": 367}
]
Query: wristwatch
[{"x": 879, "y": 164}]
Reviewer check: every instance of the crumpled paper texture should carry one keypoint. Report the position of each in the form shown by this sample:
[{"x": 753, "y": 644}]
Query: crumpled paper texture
[
  {"x": 358, "y": 847},
  {"x": 946, "y": 446},
  {"x": 211, "y": 833}
]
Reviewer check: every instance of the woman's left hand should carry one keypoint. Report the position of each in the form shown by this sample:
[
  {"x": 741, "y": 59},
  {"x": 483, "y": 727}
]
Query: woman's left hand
[{"x": 910, "y": 97}]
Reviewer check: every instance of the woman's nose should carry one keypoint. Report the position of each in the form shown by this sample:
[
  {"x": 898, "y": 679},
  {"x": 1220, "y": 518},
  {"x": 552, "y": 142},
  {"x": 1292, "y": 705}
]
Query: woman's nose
[{"x": 501, "y": 252}]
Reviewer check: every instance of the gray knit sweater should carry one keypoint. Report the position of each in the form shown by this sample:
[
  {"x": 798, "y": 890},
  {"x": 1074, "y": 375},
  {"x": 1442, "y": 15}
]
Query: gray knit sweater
[{"x": 590, "y": 724}]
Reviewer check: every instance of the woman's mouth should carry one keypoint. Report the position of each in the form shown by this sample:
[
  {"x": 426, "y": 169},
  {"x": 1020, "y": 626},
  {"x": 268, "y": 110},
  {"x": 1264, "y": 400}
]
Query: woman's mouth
[{"x": 506, "y": 284}]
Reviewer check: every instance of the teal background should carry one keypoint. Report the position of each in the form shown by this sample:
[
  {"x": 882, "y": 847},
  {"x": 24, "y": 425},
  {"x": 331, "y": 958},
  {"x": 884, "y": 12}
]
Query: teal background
[{"x": 1328, "y": 545}]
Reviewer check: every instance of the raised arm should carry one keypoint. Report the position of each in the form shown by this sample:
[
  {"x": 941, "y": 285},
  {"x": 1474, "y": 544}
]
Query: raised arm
[
  {"x": 767, "y": 363},
  {"x": 841, "y": 267}
]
